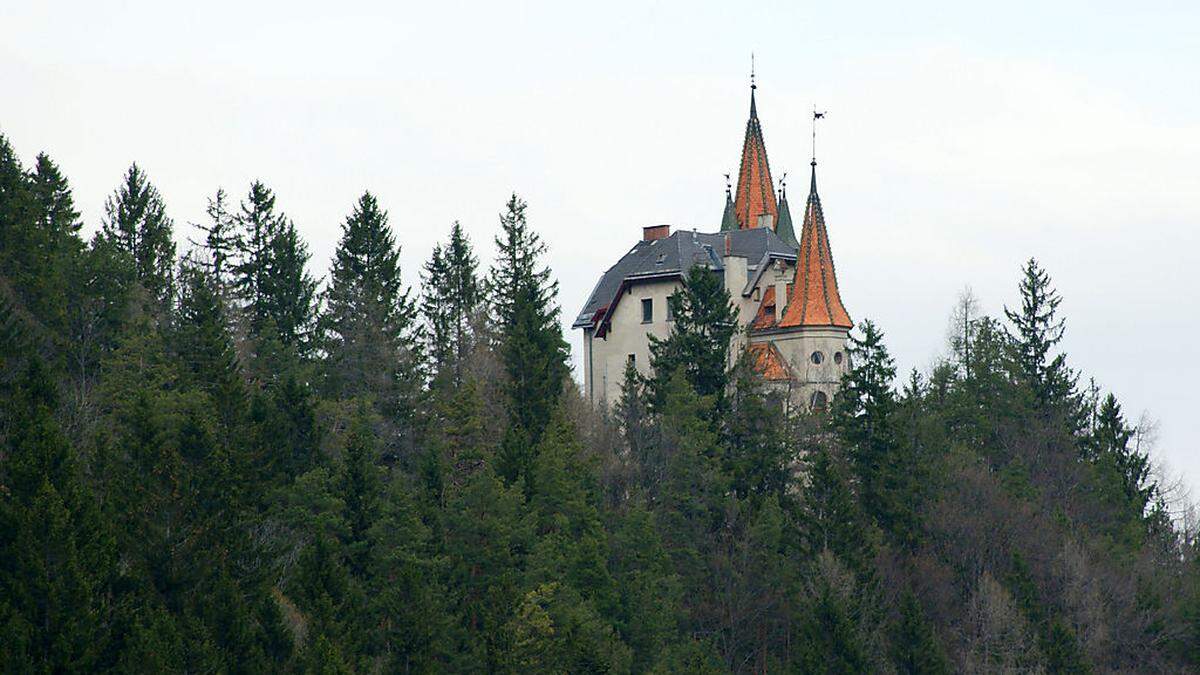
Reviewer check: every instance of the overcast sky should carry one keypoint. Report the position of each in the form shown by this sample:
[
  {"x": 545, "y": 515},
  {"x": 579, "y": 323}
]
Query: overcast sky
[{"x": 959, "y": 142}]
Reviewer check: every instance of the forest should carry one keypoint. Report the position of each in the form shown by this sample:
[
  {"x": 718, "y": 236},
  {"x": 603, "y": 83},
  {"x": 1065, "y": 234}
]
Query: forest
[{"x": 214, "y": 459}]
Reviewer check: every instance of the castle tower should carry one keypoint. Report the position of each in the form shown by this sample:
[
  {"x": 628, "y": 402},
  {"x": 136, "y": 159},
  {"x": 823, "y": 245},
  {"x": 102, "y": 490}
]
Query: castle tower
[
  {"x": 754, "y": 202},
  {"x": 809, "y": 332}
]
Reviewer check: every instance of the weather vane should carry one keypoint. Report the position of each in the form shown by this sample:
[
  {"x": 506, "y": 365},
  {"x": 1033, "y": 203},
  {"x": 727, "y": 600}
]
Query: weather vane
[
  {"x": 783, "y": 182},
  {"x": 816, "y": 116}
]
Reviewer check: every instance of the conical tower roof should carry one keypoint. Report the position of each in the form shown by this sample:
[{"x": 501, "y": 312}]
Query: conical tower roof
[
  {"x": 783, "y": 227},
  {"x": 815, "y": 300},
  {"x": 755, "y": 192},
  {"x": 729, "y": 221}
]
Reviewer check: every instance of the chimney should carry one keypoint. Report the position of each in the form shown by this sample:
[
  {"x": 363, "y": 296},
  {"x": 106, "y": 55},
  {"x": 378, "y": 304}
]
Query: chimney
[
  {"x": 652, "y": 232},
  {"x": 781, "y": 279}
]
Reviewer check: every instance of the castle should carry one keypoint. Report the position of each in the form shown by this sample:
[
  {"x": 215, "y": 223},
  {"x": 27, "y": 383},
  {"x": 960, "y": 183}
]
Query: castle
[{"x": 784, "y": 290}]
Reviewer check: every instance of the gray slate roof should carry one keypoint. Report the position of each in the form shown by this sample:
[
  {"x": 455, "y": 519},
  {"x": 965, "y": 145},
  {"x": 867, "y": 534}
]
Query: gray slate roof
[{"x": 675, "y": 255}]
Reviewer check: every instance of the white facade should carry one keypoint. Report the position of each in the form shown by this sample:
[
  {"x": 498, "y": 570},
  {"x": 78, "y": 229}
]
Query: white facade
[{"x": 627, "y": 335}]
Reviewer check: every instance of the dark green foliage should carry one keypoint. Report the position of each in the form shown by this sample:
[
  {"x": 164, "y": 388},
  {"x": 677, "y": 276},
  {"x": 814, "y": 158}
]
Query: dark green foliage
[
  {"x": 699, "y": 341},
  {"x": 915, "y": 648},
  {"x": 368, "y": 327},
  {"x": 192, "y": 479},
  {"x": 136, "y": 224},
  {"x": 275, "y": 290},
  {"x": 524, "y": 299},
  {"x": 450, "y": 300},
  {"x": 1036, "y": 331}
]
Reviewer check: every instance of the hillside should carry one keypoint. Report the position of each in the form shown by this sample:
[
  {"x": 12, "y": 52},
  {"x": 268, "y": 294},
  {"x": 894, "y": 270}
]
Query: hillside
[{"x": 212, "y": 462}]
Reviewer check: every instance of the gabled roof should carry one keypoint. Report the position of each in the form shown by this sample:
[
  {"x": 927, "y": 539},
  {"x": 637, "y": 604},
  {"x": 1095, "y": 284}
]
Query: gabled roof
[
  {"x": 755, "y": 191},
  {"x": 673, "y": 256},
  {"x": 814, "y": 299},
  {"x": 766, "y": 360}
]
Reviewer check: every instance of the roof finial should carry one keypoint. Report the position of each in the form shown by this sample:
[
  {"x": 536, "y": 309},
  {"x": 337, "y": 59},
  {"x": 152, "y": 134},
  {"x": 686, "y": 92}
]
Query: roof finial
[
  {"x": 728, "y": 186},
  {"x": 752, "y": 85},
  {"x": 816, "y": 116},
  {"x": 783, "y": 185}
]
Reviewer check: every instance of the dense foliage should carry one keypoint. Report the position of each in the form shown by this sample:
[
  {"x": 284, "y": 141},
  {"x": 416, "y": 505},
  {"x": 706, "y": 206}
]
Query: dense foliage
[{"x": 211, "y": 464}]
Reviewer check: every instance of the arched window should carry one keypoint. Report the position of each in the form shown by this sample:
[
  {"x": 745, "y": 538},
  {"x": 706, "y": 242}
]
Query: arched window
[
  {"x": 837, "y": 358},
  {"x": 817, "y": 358},
  {"x": 818, "y": 400}
]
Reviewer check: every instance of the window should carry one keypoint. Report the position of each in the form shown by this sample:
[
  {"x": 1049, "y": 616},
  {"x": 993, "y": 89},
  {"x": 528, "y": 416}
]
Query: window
[
  {"x": 818, "y": 401},
  {"x": 647, "y": 310},
  {"x": 817, "y": 358},
  {"x": 670, "y": 309},
  {"x": 632, "y": 359},
  {"x": 837, "y": 358}
]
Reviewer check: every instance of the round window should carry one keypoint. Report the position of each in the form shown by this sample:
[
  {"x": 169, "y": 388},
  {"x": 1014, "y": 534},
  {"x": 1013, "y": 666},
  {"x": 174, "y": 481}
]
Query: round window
[
  {"x": 818, "y": 400},
  {"x": 837, "y": 357},
  {"x": 817, "y": 357}
]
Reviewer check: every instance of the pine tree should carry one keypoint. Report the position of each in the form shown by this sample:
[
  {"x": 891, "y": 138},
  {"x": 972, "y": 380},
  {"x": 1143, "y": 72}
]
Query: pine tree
[
  {"x": 915, "y": 648},
  {"x": 1036, "y": 331},
  {"x": 531, "y": 341},
  {"x": 865, "y": 416},
  {"x": 270, "y": 278},
  {"x": 137, "y": 224},
  {"x": 203, "y": 344},
  {"x": 756, "y": 450},
  {"x": 369, "y": 324},
  {"x": 450, "y": 299},
  {"x": 220, "y": 242},
  {"x": 700, "y": 337},
  {"x": 58, "y": 558}
]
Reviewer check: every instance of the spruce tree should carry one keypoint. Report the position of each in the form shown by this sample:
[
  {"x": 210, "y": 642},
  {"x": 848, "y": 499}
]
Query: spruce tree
[
  {"x": 699, "y": 342},
  {"x": 865, "y": 416},
  {"x": 136, "y": 223},
  {"x": 276, "y": 291},
  {"x": 369, "y": 330},
  {"x": 203, "y": 344},
  {"x": 531, "y": 342},
  {"x": 450, "y": 299},
  {"x": 220, "y": 243},
  {"x": 1036, "y": 331}
]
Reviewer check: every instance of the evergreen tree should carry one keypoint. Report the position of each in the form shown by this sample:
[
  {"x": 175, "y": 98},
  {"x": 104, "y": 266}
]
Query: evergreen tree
[
  {"x": 864, "y": 415},
  {"x": 57, "y": 554},
  {"x": 1036, "y": 331},
  {"x": 915, "y": 648},
  {"x": 1109, "y": 448},
  {"x": 531, "y": 341},
  {"x": 220, "y": 242},
  {"x": 203, "y": 344},
  {"x": 270, "y": 278},
  {"x": 450, "y": 300},
  {"x": 369, "y": 323},
  {"x": 137, "y": 224},
  {"x": 700, "y": 337}
]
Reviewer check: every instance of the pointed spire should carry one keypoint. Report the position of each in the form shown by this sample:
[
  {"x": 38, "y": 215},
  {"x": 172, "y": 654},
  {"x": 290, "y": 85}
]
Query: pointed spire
[
  {"x": 755, "y": 196},
  {"x": 815, "y": 300},
  {"x": 729, "y": 221},
  {"x": 784, "y": 228}
]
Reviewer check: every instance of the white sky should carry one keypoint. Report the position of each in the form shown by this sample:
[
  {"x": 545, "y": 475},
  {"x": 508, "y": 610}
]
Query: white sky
[{"x": 959, "y": 141}]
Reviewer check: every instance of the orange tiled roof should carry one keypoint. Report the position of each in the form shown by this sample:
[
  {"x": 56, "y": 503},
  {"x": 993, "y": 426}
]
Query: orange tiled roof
[
  {"x": 814, "y": 299},
  {"x": 755, "y": 191},
  {"x": 768, "y": 362}
]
